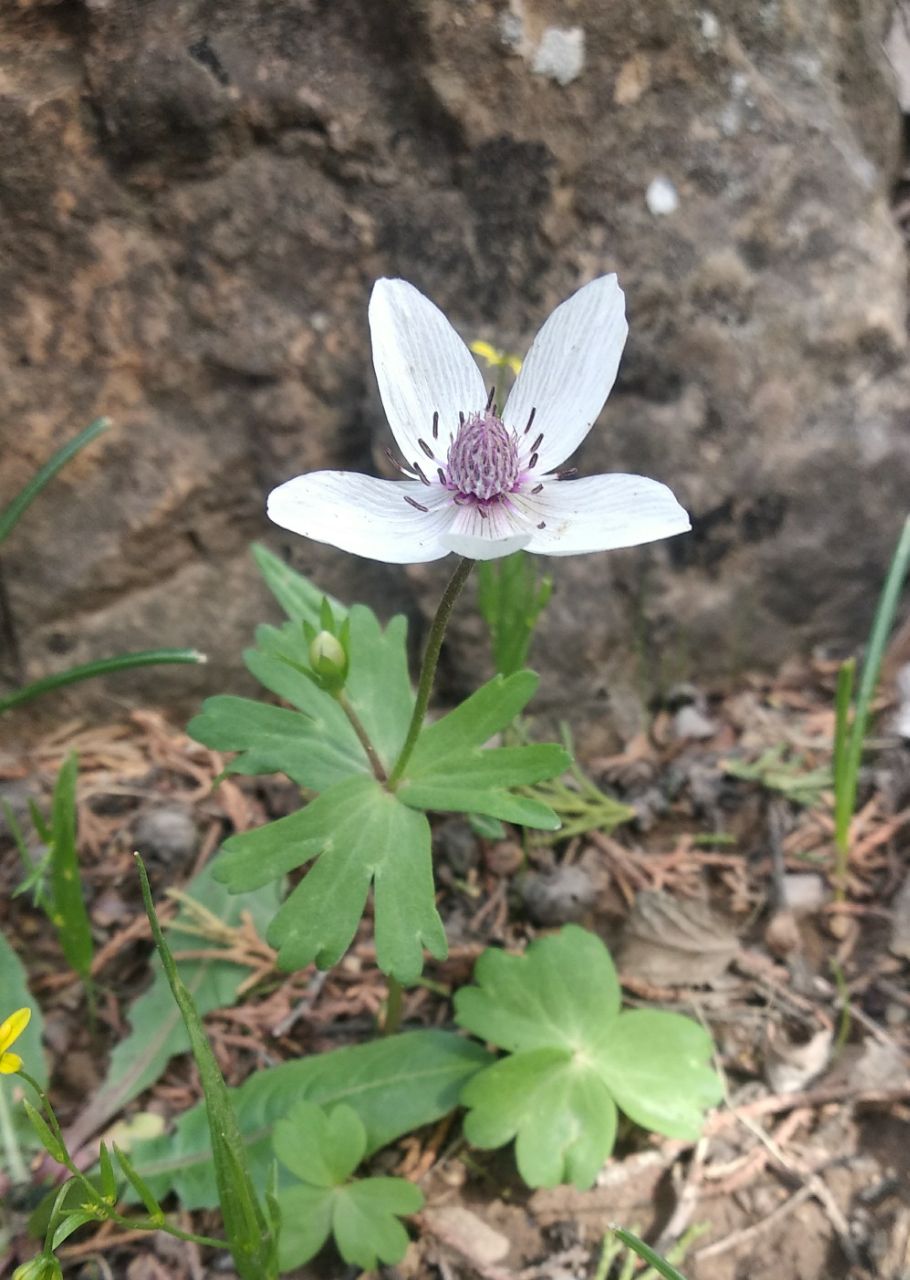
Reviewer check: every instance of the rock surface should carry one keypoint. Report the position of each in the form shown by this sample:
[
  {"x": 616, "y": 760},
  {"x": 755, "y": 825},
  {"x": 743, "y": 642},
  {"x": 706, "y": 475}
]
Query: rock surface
[{"x": 195, "y": 199}]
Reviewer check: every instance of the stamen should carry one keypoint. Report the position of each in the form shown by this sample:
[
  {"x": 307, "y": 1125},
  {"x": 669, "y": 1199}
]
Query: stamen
[
  {"x": 426, "y": 448},
  {"x": 537, "y": 443},
  {"x": 530, "y": 420},
  {"x": 532, "y": 462},
  {"x": 415, "y": 503},
  {"x": 489, "y": 404},
  {"x": 435, "y": 424},
  {"x": 460, "y": 418},
  {"x": 441, "y": 474},
  {"x": 399, "y": 466},
  {"x": 542, "y": 525},
  {"x": 566, "y": 473},
  {"x": 537, "y": 488},
  {"x": 419, "y": 470},
  {"x": 481, "y": 513}
]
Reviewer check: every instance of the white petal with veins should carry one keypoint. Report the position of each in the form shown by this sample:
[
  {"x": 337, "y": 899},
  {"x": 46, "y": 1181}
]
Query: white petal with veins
[
  {"x": 600, "y": 513},
  {"x": 569, "y": 371},
  {"x": 487, "y": 537},
  {"x": 422, "y": 367},
  {"x": 365, "y": 516}
]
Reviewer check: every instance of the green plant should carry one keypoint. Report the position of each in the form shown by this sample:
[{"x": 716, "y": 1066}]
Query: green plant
[
  {"x": 321, "y": 1150},
  {"x": 10, "y": 515},
  {"x": 55, "y": 880},
  {"x": 853, "y": 707},
  {"x": 511, "y": 598},
  {"x": 574, "y": 1058}
]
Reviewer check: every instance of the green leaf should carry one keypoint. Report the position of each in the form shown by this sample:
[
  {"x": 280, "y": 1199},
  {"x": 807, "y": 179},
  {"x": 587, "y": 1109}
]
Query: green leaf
[
  {"x": 395, "y": 1085},
  {"x": 253, "y": 1251},
  {"x": 70, "y": 918},
  {"x": 14, "y": 1125},
  {"x": 13, "y": 511},
  {"x": 661, "y": 1265},
  {"x": 378, "y": 686},
  {"x": 314, "y": 753},
  {"x": 320, "y": 1147},
  {"x": 100, "y": 667},
  {"x": 158, "y": 1032},
  {"x": 451, "y": 770},
  {"x": 359, "y": 834},
  {"x": 323, "y": 1150},
  {"x": 298, "y": 597},
  {"x": 574, "y": 1058},
  {"x": 511, "y": 600}
]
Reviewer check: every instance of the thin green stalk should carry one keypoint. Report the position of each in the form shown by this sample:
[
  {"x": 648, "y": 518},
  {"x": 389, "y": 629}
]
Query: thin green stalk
[
  {"x": 846, "y": 772},
  {"x": 18, "y": 1171},
  {"x": 102, "y": 667},
  {"x": 362, "y": 735},
  {"x": 12, "y": 513},
  {"x": 428, "y": 670},
  {"x": 647, "y": 1254},
  {"x": 391, "y": 1023}
]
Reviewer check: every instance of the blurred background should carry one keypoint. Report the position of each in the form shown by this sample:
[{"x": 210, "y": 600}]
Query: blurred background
[{"x": 196, "y": 196}]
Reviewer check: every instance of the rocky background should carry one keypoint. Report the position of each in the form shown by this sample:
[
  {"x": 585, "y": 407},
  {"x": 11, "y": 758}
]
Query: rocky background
[{"x": 195, "y": 197}]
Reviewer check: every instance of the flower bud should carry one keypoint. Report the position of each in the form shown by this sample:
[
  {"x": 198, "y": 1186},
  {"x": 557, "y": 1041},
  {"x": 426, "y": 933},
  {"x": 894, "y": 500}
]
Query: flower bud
[
  {"x": 328, "y": 658},
  {"x": 43, "y": 1267}
]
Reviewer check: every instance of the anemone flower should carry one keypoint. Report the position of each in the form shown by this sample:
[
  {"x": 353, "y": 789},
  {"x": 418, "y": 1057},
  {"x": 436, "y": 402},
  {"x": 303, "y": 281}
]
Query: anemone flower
[{"x": 477, "y": 482}]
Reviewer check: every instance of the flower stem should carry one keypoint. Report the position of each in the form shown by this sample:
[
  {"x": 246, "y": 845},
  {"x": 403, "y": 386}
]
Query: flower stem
[
  {"x": 17, "y": 1169},
  {"x": 428, "y": 670},
  {"x": 362, "y": 735}
]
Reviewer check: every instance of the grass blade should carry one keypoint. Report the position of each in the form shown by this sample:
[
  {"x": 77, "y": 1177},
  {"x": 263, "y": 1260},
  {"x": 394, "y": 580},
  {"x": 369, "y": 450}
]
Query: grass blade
[
  {"x": 845, "y": 797},
  {"x": 11, "y": 514},
  {"x": 69, "y": 917},
  {"x": 647, "y": 1254},
  {"x": 101, "y": 667},
  {"x": 252, "y": 1246}
]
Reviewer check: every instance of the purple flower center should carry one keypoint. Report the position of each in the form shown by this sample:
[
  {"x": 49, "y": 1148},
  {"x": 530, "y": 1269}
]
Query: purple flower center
[{"x": 483, "y": 458}]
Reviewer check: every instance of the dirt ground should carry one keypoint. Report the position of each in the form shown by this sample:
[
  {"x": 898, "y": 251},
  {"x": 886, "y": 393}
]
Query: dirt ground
[{"x": 716, "y": 900}]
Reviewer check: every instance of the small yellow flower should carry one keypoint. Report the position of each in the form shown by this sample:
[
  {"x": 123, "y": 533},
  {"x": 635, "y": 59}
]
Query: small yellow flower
[
  {"x": 493, "y": 356},
  {"x": 11, "y": 1030}
]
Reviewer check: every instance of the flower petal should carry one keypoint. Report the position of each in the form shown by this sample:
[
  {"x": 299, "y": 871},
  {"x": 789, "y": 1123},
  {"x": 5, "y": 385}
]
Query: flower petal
[
  {"x": 600, "y": 513},
  {"x": 569, "y": 371},
  {"x": 11, "y": 1028},
  {"x": 9, "y": 1063},
  {"x": 422, "y": 367},
  {"x": 365, "y": 516},
  {"x": 497, "y": 533}
]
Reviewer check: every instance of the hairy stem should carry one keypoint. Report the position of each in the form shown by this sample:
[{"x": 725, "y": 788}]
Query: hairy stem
[{"x": 428, "y": 670}]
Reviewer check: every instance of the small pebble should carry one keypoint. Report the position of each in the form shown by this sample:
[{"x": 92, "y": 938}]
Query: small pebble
[
  {"x": 167, "y": 833},
  {"x": 661, "y": 197},
  {"x": 456, "y": 844},
  {"x": 559, "y": 896}
]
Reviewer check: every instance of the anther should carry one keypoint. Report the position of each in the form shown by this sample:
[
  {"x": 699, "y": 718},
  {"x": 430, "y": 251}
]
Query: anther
[
  {"x": 419, "y": 470},
  {"x": 481, "y": 513},
  {"x": 537, "y": 443},
  {"x": 530, "y": 420},
  {"x": 537, "y": 488},
  {"x": 542, "y": 525},
  {"x": 532, "y": 462},
  {"x": 415, "y": 503},
  {"x": 460, "y": 418},
  {"x": 426, "y": 448},
  {"x": 489, "y": 404},
  {"x": 399, "y": 466},
  {"x": 567, "y": 473},
  {"x": 441, "y": 474},
  {"x": 435, "y": 424}
]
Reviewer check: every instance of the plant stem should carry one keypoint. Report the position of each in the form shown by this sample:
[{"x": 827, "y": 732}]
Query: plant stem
[
  {"x": 362, "y": 735},
  {"x": 428, "y": 670},
  {"x": 391, "y": 1023}
]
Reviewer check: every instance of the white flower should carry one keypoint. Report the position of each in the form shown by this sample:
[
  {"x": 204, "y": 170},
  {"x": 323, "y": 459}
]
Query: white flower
[{"x": 479, "y": 484}]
